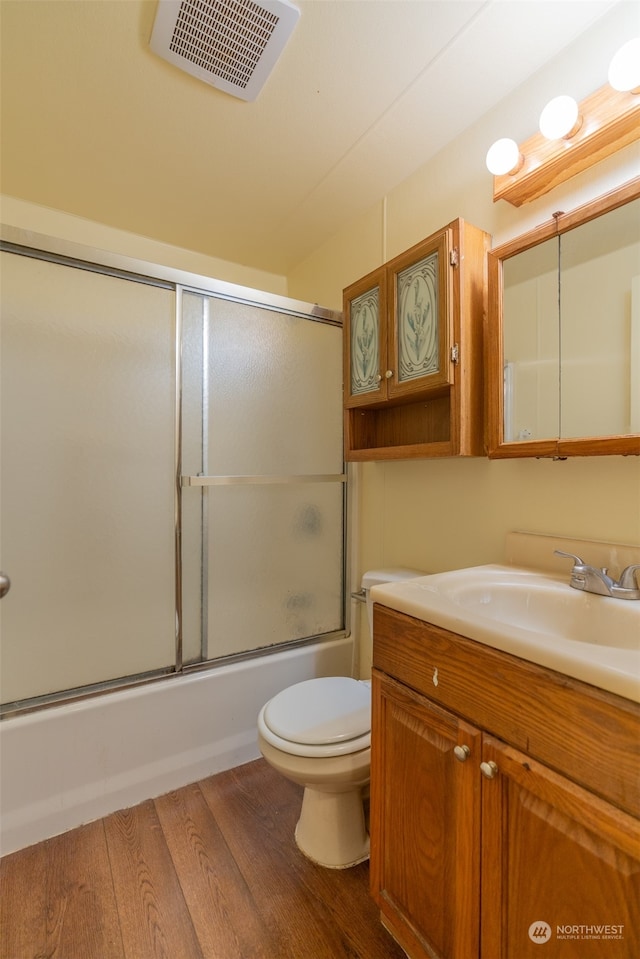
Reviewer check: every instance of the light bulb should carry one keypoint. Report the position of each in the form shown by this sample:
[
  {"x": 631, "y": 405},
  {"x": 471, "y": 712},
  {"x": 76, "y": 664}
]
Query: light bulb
[
  {"x": 560, "y": 119},
  {"x": 624, "y": 69},
  {"x": 504, "y": 157}
]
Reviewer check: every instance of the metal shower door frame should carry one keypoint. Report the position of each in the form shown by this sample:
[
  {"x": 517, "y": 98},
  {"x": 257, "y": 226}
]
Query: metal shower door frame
[{"x": 38, "y": 246}]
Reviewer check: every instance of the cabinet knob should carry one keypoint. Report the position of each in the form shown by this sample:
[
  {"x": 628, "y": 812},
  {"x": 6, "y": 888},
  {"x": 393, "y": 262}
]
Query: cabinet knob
[
  {"x": 490, "y": 770},
  {"x": 379, "y": 378},
  {"x": 388, "y": 374},
  {"x": 461, "y": 753}
]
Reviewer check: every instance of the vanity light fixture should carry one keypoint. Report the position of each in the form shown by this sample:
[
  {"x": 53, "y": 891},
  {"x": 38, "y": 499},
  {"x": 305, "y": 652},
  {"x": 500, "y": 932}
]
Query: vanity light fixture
[
  {"x": 560, "y": 119},
  {"x": 624, "y": 69},
  {"x": 504, "y": 157},
  {"x": 574, "y": 136}
]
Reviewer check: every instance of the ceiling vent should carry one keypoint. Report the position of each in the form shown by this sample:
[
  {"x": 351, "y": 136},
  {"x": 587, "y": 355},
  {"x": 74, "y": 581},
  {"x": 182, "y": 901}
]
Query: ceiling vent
[{"x": 231, "y": 44}]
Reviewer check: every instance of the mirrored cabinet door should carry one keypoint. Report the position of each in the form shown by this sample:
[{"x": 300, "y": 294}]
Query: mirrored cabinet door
[
  {"x": 532, "y": 344},
  {"x": 600, "y": 325},
  {"x": 563, "y": 352}
]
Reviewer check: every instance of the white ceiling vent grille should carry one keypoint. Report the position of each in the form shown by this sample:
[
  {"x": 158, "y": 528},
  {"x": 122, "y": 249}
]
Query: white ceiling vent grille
[{"x": 230, "y": 44}]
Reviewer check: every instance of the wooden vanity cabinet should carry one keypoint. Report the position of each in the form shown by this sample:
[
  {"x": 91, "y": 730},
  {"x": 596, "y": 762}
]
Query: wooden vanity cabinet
[
  {"x": 505, "y": 803},
  {"x": 413, "y": 358},
  {"x": 425, "y": 863}
]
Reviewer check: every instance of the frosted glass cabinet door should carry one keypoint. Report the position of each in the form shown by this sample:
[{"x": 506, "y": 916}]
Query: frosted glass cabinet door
[
  {"x": 398, "y": 321},
  {"x": 420, "y": 308},
  {"x": 87, "y": 483},
  {"x": 365, "y": 340}
]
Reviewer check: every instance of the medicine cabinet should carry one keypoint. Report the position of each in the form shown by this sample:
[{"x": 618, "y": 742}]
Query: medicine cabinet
[{"x": 563, "y": 334}]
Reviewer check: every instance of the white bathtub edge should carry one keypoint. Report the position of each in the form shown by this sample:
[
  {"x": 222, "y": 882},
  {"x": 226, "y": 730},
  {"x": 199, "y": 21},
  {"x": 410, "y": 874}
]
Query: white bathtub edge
[{"x": 71, "y": 764}]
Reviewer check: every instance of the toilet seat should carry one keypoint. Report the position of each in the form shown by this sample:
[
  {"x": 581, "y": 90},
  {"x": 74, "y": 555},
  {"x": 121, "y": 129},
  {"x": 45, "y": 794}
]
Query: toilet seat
[{"x": 337, "y": 717}]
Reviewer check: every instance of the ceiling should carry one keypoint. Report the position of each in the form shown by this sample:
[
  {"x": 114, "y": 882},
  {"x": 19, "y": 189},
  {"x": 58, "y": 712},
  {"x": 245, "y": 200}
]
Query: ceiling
[{"x": 93, "y": 123}]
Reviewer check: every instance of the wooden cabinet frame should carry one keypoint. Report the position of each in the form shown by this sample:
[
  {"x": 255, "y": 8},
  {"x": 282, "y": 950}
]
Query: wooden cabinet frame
[
  {"x": 438, "y": 413},
  {"x": 414, "y": 742},
  {"x": 573, "y": 834},
  {"x": 554, "y": 446}
]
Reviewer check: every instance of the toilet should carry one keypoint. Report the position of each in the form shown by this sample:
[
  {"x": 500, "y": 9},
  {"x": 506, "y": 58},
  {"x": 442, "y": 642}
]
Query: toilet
[{"x": 317, "y": 733}]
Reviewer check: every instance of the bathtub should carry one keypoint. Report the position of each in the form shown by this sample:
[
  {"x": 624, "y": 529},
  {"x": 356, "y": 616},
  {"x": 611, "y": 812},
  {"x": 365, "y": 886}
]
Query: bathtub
[{"x": 70, "y": 764}]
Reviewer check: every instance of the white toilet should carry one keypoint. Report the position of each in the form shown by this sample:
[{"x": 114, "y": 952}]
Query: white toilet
[{"x": 318, "y": 734}]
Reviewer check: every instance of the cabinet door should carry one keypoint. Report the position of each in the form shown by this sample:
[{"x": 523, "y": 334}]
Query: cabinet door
[
  {"x": 559, "y": 865},
  {"x": 425, "y": 817},
  {"x": 420, "y": 292},
  {"x": 365, "y": 341}
]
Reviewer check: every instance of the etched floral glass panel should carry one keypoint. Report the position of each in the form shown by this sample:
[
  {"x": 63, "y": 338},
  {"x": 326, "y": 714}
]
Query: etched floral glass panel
[
  {"x": 365, "y": 342},
  {"x": 417, "y": 299}
]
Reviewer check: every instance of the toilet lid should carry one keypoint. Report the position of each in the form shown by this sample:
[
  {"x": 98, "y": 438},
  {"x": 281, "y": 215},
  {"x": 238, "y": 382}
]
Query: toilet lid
[{"x": 318, "y": 711}]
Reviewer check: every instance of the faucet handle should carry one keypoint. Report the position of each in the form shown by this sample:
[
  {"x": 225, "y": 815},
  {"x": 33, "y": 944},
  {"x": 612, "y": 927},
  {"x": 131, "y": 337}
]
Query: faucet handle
[
  {"x": 628, "y": 579},
  {"x": 576, "y": 559}
]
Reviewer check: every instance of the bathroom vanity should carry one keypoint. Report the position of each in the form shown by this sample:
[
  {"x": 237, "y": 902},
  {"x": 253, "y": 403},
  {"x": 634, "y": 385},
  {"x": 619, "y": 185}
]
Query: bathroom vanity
[{"x": 505, "y": 802}]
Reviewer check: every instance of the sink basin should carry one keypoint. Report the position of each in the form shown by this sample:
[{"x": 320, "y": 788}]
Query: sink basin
[
  {"x": 532, "y": 614},
  {"x": 524, "y": 598}
]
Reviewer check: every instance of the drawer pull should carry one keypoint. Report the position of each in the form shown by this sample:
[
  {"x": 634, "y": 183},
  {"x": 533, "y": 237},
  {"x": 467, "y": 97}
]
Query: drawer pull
[
  {"x": 461, "y": 753},
  {"x": 490, "y": 770}
]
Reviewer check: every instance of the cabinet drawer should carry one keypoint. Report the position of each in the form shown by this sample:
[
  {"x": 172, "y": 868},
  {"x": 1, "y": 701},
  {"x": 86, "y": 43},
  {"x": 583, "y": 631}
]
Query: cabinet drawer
[{"x": 585, "y": 733}]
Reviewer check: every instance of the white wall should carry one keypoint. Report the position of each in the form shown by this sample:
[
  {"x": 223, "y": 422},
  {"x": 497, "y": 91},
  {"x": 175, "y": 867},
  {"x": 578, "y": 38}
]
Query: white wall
[{"x": 442, "y": 514}]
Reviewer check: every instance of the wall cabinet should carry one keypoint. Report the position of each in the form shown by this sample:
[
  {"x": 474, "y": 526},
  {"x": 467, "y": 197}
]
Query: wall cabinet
[
  {"x": 504, "y": 803},
  {"x": 413, "y": 361}
]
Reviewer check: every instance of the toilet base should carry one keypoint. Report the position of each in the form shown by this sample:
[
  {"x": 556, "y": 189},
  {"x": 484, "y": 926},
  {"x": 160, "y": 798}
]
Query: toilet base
[{"x": 331, "y": 830}]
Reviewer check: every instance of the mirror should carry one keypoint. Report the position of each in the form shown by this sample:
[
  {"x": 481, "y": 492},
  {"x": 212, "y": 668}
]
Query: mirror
[{"x": 564, "y": 334}]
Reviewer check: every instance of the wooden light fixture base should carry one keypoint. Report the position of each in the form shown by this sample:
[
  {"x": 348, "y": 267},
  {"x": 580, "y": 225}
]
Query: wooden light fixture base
[{"x": 610, "y": 121}]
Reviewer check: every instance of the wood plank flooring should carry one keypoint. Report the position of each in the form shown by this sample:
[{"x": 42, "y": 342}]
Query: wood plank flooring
[{"x": 210, "y": 871}]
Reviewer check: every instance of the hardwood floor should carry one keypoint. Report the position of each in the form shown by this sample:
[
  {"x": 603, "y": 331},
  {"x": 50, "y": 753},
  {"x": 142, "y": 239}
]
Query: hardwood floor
[{"x": 210, "y": 871}]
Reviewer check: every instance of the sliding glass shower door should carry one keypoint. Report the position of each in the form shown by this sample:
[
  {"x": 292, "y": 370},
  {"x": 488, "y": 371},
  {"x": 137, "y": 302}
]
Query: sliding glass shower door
[
  {"x": 88, "y": 477},
  {"x": 263, "y": 481},
  {"x": 171, "y": 476}
]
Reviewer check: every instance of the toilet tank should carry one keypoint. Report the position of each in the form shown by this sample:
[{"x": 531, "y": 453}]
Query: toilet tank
[{"x": 376, "y": 577}]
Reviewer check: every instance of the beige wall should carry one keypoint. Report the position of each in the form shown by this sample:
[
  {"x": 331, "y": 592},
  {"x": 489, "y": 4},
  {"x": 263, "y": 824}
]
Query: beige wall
[
  {"x": 442, "y": 514},
  {"x": 30, "y": 218}
]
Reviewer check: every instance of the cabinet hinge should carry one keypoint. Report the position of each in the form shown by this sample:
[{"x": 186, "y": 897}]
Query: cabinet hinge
[
  {"x": 454, "y": 257},
  {"x": 455, "y": 353}
]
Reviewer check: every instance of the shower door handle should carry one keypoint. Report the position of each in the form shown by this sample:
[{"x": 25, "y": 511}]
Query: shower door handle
[{"x": 5, "y": 584}]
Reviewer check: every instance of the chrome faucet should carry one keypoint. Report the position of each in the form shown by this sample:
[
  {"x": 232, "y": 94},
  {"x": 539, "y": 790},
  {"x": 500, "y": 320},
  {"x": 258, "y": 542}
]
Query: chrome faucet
[{"x": 593, "y": 580}]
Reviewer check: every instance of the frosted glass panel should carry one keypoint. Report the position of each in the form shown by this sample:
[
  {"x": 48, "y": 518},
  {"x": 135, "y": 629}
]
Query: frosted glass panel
[
  {"x": 195, "y": 314},
  {"x": 275, "y": 565},
  {"x": 87, "y": 494},
  {"x": 262, "y": 397},
  {"x": 275, "y": 392}
]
